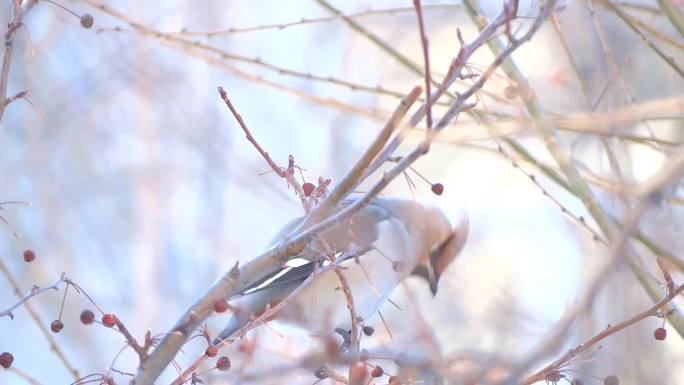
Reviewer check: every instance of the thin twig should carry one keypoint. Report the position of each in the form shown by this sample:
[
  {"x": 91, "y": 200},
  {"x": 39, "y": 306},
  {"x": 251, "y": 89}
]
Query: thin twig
[
  {"x": 24, "y": 376},
  {"x": 287, "y": 174},
  {"x": 590, "y": 343},
  {"x": 426, "y": 60},
  {"x": 132, "y": 342},
  {"x": 625, "y": 17},
  {"x": 454, "y": 72},
  {"x": 305, "y": 21},
  {"x": 277, "y": 169},
  {"x": 34, "y": 292},
  {"x": 352, "y": 177},
  {"x": 651, "y": 195},
  {"x": 54, "y": 347}
]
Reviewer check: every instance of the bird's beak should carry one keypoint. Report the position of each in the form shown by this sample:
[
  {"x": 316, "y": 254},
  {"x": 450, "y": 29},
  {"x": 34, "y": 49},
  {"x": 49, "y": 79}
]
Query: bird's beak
[
  {"x": 437, "y": 257},
  {"x": 428, "y": 274},
  {"x": 434, "y": 276},
  {"x": 432, "y": 270}
]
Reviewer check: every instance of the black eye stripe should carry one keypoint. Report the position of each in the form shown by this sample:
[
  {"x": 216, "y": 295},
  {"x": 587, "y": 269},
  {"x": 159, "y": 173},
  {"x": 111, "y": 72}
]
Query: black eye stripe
[{"x": 439, "y": 249}]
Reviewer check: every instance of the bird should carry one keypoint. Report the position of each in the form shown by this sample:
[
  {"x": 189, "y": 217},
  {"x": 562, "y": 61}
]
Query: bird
[{"x": 387, "y": 241}]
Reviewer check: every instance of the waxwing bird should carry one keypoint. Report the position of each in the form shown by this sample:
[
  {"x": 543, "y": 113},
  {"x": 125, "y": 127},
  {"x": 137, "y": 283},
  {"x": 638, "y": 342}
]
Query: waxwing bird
[{"x": 379, "y": 247}]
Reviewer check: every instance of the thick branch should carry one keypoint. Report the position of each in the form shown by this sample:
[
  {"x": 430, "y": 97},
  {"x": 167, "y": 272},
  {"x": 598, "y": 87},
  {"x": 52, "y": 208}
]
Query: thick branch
[{"x": 18, "y": 13}]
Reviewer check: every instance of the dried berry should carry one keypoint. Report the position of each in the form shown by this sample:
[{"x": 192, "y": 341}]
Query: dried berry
[
  {"x": 6, "y": 359},
  {"x": 437, "y": 188},
  {"x": 368, "y": 330},
  {"x": 109, "y": 320},
  {"x": 29, "y": 255},
  {"x": 223, "y": 363},
  {"x": 220, "y": 305},
  {"x": 377, "y": 372},
  {"x": 660, "y": 334},
  {"x": 308, "y": 188},
  {"x": 87, "y": 21},
  {"x": 56, "y": 326},
  {"x": 87, "y": 317},
  {"x": 611, "y": 380},
  {"x": 211, "y": 351}
]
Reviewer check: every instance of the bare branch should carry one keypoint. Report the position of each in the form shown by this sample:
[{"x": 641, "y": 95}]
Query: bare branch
[
  {"x": 18, "y": 13},
  {"x": 352, "y": 178},
  {"x": 590, "y": 343},
  {"x": 278, "y": 170},
  {"x": 426, "y": 60},
  {"x": 54, "y": 346},
  {"x": 651, "y": 195},
  {"x": 34, "y": 292}
]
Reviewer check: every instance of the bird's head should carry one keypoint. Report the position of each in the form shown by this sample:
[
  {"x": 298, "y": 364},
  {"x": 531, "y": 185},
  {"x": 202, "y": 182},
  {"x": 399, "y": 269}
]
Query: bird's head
[{"x": 441, "y": 245}]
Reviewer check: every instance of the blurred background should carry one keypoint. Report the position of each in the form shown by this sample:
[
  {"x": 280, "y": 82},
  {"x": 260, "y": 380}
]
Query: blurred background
[{"x": 144, "y": 191}]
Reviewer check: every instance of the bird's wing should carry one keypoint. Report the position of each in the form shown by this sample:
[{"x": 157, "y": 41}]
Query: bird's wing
[
  {"x": 354, "y": 238},
  {"x": 361, "y": 231},
  {"x": 285, "y": 276}
]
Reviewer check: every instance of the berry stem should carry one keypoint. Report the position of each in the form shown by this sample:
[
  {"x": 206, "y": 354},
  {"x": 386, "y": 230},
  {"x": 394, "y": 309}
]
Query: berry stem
[
  {"x": 61, "y": 307},
  {"x": 63, "y": 7}
]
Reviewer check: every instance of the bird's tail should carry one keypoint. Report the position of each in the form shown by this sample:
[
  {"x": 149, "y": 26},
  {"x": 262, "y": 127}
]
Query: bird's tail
[{"x": 247, "y": 306}]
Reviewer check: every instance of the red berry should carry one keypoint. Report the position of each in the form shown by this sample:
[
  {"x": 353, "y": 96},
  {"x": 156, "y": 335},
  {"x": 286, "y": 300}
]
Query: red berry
[
  {"x": 437, "y": 188},
  {"x": 211, "y": 351},
  {"x": 56, "y": 326},
  {"x": 358, "y": 373},
  {"x": 377, "y": 372},
  {"x": 221, "y": 305},
  {"x": 109, "y": 320},
  {"x": 308, "y": 188},
  {"x": 660, "y": 334},
  {"x": 611, "y": 380},
  {"x": 368, "y": 330},
  {"x": 223, "y": 363},
  {"x": 6, "y": 359},
  {"x": 87, "y": 317},
  {"x": 29, "y": 255}
]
